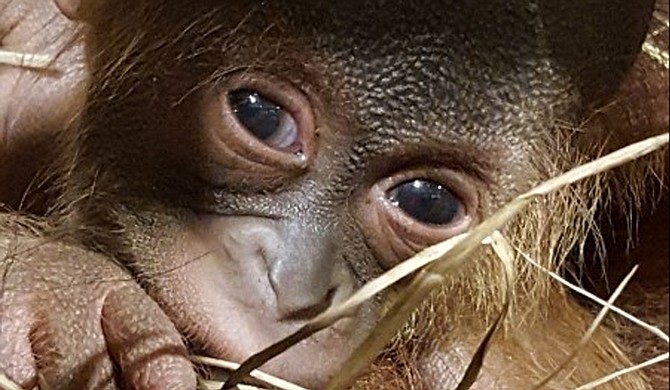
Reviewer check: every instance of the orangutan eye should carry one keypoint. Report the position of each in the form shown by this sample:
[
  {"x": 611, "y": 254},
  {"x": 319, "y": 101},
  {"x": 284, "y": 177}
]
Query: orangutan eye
[
  {"x": 266, "y": 120},
  {"x": 426, "y": 201},
  {"x": 257, "y": 127},
  {"x": 409, "y": 210}
]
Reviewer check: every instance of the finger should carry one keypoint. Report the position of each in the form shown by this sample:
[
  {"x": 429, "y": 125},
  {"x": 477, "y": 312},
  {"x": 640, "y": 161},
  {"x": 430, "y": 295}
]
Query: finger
[
  {"x": 16, "y": 358},
  {"x": 68, "y": 341},
  {"x": 143, "y": 342}
]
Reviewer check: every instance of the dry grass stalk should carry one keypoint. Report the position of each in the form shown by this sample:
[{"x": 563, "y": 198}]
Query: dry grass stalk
[
  {"x": 505, "y": 253},
  {"x": 652, "y": 50},
  {"x": 657, "y": 54},
  {"x": 436, "y": 264},
  {"x": 215, "y": 385},
  {"x": 659, "y": 359},
  {"x": 589, "y": 332},
  {"x": 267, "y": 379},
  {"x": 652, "y": 329},
  {"x": 7, "y": 384},
  {"x": 456, "y": 248},
  {"x": 607, "y": 306},
  {"x": 348, "y": 308},
  {"x": 453, "y": 253},
  {"x": 428, "y": 279},
  {"x": 25, "y": 60}
]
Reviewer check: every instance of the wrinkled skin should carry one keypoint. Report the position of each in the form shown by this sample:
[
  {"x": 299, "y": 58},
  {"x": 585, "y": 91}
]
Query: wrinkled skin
[
  {"x": 67, "y": 323},
  {"x": 70, "y": 324},
  {"x": 70, "y": 320},
  {"x": 61, "y": 300}
]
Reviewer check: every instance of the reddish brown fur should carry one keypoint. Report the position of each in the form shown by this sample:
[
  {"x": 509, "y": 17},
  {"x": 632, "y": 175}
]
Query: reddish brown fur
[
  {"x": 639, "y": 110},
  {"x": 543, "y": 317}
]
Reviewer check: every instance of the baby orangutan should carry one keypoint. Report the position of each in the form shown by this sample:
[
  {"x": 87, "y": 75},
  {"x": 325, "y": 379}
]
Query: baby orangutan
[{"x": 238, "y": 167}]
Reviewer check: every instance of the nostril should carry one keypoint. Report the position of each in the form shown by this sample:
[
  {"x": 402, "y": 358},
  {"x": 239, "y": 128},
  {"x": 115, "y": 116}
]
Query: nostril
[
  {"x": 309, "y": 312},
  {"x": 299, "y": 301},
  {"x": 305, "y": 279},
  {"x": 302, "y": 285}
]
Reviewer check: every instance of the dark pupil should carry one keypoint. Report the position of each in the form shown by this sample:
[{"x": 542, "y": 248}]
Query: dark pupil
[
  {"x": 259, "y": 115},
  {"x": 426, "y": 201}
]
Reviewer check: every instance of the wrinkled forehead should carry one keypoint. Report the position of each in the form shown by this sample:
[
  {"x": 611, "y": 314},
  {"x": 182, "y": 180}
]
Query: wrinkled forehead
[
  {"x": 413, "y": 61},
  {"x": 500, "y": 34},
  {"x": 458, "y": 59},
  {"x": 375, "y": 20},
  {"x": 591, "y": 41}
]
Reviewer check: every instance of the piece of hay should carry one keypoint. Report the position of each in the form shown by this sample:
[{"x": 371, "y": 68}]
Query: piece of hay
[
  {"x": 437, "y": 261},
  {"x": 25, "y": 60}
]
